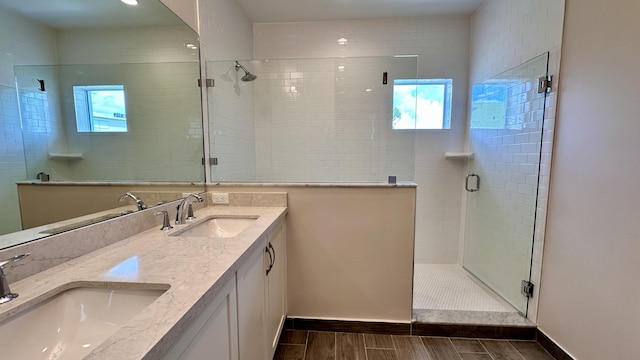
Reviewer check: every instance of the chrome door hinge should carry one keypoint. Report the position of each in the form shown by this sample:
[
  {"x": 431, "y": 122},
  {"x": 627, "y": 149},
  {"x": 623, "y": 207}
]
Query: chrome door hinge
[
  {"x": 212, "y": 161},
  {"x": 544, "y": 84},
  {"x": 526, "y": 288},
  {"x": 207, "y": 82}
]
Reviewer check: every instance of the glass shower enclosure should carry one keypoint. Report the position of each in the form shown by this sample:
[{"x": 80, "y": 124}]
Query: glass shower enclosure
[
  {"x": 308, "y": 120},
  {"x": 505, "y": 135}
]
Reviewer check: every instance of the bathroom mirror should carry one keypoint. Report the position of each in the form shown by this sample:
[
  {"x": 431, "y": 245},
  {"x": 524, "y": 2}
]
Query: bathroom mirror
[{"x": 99, "y": 98}]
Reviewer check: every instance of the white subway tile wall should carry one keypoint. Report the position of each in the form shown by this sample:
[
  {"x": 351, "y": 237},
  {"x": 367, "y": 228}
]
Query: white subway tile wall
[
  {"x": 151, "y": 44},
  {"x": 504, "y": 34},
  {"x": 12, "y": 167},
  {"x": 442, "y": 46},
  {"x": 231, "y": 122},
  {"x": 22, "y": 42},
  {"x": 163, "y": 107},
  {"x": 330, "y": 120},
  {"x": 163, "y": 113},
  {"x": 226, "y": 35},
  {"x": 225, "y": 31}
]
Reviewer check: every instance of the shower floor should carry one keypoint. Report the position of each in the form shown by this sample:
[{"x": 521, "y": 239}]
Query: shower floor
[{"x": 449, "y": 294}]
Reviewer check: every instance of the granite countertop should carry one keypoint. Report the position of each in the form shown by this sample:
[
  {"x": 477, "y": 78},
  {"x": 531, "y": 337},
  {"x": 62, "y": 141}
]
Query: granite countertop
[{"x": 193, "y": 269}]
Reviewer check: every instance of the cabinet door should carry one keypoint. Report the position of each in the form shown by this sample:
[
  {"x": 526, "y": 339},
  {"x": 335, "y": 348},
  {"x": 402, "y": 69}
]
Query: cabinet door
[
  {"x": 276, "y": 289},
  {"x": 251, "y": 307},
  {"x": 213, "y": 335}
]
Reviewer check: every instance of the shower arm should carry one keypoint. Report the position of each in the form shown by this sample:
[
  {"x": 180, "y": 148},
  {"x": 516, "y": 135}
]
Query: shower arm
[{"x": 239, "y": 66}]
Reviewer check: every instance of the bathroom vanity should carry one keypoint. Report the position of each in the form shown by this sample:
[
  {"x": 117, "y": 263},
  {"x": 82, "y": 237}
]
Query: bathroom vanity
[{"x": 220, "y": 292}]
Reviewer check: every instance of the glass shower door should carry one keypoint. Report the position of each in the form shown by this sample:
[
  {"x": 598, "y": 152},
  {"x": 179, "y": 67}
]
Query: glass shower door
[{"x": 502, "y": 183}]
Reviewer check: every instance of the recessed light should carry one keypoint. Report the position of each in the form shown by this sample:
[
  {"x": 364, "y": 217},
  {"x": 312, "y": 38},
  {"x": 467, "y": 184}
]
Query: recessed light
[{"x": 130, "y": 2}]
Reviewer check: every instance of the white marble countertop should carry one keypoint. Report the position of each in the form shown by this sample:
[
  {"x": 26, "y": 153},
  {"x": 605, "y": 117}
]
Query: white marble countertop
[
  {"x": 194, "y": 269},
  {"x": 43, "y": 231}
]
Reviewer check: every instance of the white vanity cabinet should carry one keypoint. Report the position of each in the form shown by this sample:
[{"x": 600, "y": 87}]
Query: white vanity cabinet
[
  {"x": 214, "y": 334},
  {"x": 245, "y": 319},
  {"x": 251, "y": 310},
  {"x": 262, "y": 299},
  {"x": 275, "y": 289}
]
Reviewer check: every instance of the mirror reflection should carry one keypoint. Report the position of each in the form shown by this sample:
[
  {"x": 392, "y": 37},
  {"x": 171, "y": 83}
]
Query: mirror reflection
[{"x": 97, "y": 98}]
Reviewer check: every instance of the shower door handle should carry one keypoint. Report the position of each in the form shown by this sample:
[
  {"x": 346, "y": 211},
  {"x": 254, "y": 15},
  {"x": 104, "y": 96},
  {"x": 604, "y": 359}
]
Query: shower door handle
[{"x": 466, "y": 182}]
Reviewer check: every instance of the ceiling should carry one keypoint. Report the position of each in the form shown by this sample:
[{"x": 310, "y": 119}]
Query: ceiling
[
  {"x": 64, "y": 14},
  {"x": 61, "y": 14},
  {"x": 265, "y": 11}
]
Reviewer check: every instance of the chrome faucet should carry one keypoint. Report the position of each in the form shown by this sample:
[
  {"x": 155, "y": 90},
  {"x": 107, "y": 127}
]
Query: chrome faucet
[
  {"x": 181, "y": 218},
  {"x": 140, "y": 203},
  {"x": 5, "y": 293}
]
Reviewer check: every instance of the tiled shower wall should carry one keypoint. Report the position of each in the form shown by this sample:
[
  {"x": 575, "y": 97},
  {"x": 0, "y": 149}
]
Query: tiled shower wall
[
  {"x": 22, "y": 42},
  {"x": 232, "y": 136},
  {"x": 442, "y": 46},
  {"x": 12, "y": 167},
  {"x": 42, "y": 130},
  {"x": 506, "y": 33},
  {"x": 226, "y": 35},
  {"x": 163, "y": 104},
  {"x": 328, "y": 120}
]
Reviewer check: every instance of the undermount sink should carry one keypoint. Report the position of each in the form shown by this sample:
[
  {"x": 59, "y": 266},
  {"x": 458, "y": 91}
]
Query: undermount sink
[
  {"x": 71, "y": 324},
  {"x": 217, "y": 227}
]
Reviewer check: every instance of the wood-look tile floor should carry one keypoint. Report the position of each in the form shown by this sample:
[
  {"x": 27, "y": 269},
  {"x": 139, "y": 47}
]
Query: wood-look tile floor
[{"x": 312, "y": 345}]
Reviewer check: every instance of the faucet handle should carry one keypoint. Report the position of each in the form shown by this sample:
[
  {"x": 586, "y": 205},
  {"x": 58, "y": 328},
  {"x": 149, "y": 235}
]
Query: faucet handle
[{"x": 166, "y": 224}]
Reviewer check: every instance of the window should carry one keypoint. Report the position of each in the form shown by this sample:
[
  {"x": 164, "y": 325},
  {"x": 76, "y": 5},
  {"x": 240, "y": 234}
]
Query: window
[
  {"x": 422, "y": 104},
  {"x": 100, "y": 108}
]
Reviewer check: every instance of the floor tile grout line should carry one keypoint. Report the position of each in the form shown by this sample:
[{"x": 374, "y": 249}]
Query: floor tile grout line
[
  {"x": 306, "y": 342},
  {"x": 455, "y": 349},
  {"x": 486, "y": 350},
  {"x": 516, "y": 349},
  {"x": 364, "y": 343}
]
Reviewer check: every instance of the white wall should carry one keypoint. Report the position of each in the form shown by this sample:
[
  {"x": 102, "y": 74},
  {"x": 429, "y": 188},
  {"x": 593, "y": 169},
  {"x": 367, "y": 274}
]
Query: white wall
[
  {"x": 187, "y": 10},
  {"x": 590, "y": 284},
  {"x": 505, "y": 34},
  {"x": 28, "y": 43},
  {"x": 442, "y": 45}
]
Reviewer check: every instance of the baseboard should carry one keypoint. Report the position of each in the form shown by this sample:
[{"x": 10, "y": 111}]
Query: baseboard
[
  {"x": 551, "y": 347},
  {"x": 418, "y": 329},
  {"x": 348, "y": 326}
]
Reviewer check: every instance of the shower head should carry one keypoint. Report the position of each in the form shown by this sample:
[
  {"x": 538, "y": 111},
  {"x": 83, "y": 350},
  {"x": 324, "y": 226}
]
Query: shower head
[{"x": 247, "y": 75}]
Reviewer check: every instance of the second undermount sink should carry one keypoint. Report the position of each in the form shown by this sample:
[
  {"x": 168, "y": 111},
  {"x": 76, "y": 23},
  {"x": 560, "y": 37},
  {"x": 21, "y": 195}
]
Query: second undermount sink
[
  {"x": 217, "y": 227},
  {"x": 72, "y": 323}
]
